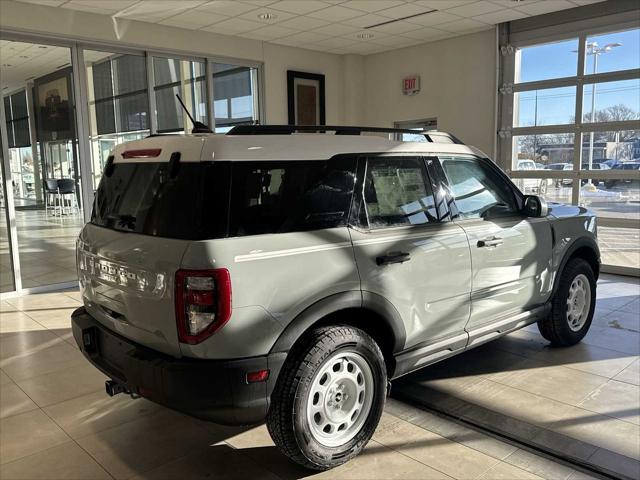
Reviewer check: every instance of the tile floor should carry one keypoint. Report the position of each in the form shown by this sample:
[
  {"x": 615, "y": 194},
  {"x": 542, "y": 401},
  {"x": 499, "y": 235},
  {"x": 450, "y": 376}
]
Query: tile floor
[{"x": 56, "y": 421}]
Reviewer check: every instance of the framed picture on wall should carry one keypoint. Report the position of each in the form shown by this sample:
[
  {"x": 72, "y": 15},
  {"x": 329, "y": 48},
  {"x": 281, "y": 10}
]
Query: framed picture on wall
[
  {"x": 53, "y": 98},
  {"x": 305, "y": 94}
]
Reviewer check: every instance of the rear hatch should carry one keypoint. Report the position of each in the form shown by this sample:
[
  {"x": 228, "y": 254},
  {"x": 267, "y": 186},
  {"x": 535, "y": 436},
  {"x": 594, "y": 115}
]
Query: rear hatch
[{"x": 154, "y": 199}]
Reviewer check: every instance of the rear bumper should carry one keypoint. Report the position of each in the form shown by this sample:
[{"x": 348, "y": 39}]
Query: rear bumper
[{"x": 214, "y": 390}]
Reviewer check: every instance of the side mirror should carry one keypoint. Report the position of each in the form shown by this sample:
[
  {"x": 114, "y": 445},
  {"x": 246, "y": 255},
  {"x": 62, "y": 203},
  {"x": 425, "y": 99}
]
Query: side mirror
[{"x": 535, "y": 206}]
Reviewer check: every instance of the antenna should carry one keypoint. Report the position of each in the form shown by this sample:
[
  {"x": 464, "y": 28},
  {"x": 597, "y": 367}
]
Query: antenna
[{"x": 198, "y": 127}]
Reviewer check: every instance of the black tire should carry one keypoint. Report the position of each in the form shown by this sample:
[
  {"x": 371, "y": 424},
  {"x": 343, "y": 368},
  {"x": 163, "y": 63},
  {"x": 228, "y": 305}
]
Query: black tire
[
  {"x": 555, "y": 327},
  {"x": 287, "y": 419}
]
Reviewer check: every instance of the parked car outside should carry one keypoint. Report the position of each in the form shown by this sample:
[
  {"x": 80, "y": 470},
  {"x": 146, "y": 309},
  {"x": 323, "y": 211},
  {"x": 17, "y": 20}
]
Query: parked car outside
[
  {"x": 585, "y": 166},
  {"x": 625, "y": 167},
  {"x": 531, "y": 185},
  {"x": 265, "y": 275}
]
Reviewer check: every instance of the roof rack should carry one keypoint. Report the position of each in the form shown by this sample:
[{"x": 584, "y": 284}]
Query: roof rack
[{"x": 432, "y": 136}]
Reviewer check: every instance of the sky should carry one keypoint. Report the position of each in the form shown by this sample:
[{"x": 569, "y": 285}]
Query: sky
[{"x": 556, "y": 60}]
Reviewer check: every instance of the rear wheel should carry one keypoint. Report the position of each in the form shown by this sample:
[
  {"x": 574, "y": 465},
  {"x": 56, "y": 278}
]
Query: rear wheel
[
  {"x": 572, "y": 306},
  {"x": 329, "y": 397}
]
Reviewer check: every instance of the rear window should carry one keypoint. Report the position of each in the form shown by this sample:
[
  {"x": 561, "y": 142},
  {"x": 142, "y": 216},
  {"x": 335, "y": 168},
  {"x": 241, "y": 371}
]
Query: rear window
[
  {"x": 190, "y": 202},
  {"x": 213, "y": 200}
]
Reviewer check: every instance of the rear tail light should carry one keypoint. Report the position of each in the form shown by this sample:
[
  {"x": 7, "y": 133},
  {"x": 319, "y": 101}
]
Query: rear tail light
[{"x": 203, "y": 303}]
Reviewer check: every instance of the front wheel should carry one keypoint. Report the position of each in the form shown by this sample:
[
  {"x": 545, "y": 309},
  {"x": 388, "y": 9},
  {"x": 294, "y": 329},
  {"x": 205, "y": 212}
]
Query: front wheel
[
  {"x": 573, "y": 305},
  {"x": 329, "y": 397}
]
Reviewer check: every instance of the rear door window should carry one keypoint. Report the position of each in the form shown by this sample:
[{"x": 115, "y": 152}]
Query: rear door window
[
  {"x": 397, "y": 193},
  {"x": 289, "y": 196}
]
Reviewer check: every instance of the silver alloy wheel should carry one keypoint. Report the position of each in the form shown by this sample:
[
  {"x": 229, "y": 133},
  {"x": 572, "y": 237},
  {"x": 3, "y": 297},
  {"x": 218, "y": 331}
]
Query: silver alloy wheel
[
  {"x": 340, "y": 398},
  {"x": 578, "y": 302}
]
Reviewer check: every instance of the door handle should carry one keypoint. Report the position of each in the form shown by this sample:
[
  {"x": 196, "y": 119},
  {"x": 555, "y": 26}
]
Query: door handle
[
  {"x": 489, "y": 242},
  {"x": 393, "y": 257}
]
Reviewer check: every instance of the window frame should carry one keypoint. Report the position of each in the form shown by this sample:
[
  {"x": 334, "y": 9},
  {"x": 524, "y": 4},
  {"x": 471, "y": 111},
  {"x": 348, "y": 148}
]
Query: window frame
[
  {"x": 429, "y": 175},
  {"x": 581, "y": 23}
]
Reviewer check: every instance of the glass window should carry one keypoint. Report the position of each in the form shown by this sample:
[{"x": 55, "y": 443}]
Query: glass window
[
  {"x": 6, "y": 261},
  {"x": 280, "y": 197},
  {"x": 148, "y": 198},
  {"x": 118, "y": 103},
  {"x": 179, "y": 77},
  {"x": 613, "y": 197},
  {"x": 478, "y": 190},
  {"x": 234, "y": 96},
  {"x": 396, "y": 192},
  {"x": 17, "y": 119},
  {"x": 619, "y": 246},
  {"x": 611, "y": 101},
  {"x": 539, "y": 152},
  {"x": 549, "y": 106},
  {"x": 610, "y": 150},
  {"x": 611, "y": 52},
  {"x": 543, "y": 62}
]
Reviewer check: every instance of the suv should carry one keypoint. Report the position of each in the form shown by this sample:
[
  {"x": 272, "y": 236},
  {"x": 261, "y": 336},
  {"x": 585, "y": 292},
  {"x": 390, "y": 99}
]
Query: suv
[{"x": 268, "y": 274}]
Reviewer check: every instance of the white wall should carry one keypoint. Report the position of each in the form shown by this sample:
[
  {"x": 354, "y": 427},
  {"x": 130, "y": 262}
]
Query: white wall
[{"x": 458, "y": 86}]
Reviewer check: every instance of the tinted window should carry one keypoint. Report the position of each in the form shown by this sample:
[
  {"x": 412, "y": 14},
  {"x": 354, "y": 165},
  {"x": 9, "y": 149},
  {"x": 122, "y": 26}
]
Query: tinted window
[
  {"x": 396, "y": 193},
  {"x": 279, "y": 197},
  {"x": 189, "y": 202},
  {"x": 477, "y": 188}
]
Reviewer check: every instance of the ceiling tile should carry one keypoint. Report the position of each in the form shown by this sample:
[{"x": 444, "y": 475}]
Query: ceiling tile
[
  {"x": 335, "y": 42},
  {"x": 474, "y": 9},
  {"x": 336, "y": 13},
  {"x": 277, "y": 16},
  {"x": 434, "y": 18},
  {"x": 442, "y": 4},
  {"x": 258, "y": 3},
  {"x": 337, "y": 29},
  {"x": 301, "y": 8},
  {"x": 372, "y": 6},
  {"x": 426, "y": 34},
  {"x": 80, "y": 7},
  {"x": 270, "y": 32},
  {"x": 365, "y": 47},
  {"x": 233, "y": 26},
  {"x": 156, "y": 11},
  {"x": 305, "y": 37},
  {"x": 396, "y": 41},
  {"x": 193, "y": 19},
  {"x": 546, "y": 6},
  {"x": 115, "y": 5},
  {"x": 401, "y": 26},
  {"x": 464, "y": 25},
  {"x": 500, "y": 16},
  {"x": 361, "y": 36},
  {"x": 403, "y": 10},
  {"x": 227, "y": 7},
  {"x": 49, "y": 3},
  {"x": 586, "y": 2},
  {"x": 366, "y": 20},
  {"x": 303, "y": 23}
]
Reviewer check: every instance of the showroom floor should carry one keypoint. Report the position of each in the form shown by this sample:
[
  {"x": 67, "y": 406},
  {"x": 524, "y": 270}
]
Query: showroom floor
[{"x": 56, "y": 421}]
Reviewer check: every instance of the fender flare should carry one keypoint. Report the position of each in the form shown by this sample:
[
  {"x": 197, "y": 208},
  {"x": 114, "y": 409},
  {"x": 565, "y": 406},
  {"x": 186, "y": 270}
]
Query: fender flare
[
  {"x": 578, "y": 243},
  {"x": 334, "y": 303}
]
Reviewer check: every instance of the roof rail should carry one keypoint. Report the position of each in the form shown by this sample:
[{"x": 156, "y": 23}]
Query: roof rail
[{"x": 432, "y": 136}]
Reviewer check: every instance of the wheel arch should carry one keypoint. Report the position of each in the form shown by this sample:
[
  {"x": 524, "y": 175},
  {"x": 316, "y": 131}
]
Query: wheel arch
[
  {"x": 585, "y": 248},
  {"x": 368, "y": 311}
]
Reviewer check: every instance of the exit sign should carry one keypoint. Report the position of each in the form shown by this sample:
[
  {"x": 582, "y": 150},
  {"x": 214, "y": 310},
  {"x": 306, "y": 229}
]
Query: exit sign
[{"x": 411, "y": 85}]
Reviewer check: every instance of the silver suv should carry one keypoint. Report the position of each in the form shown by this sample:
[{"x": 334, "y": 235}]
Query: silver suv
[{"x": 272, "y": 274}]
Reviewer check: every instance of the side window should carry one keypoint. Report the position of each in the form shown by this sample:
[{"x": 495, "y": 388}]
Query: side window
[
  {"x": 478, "y": 191},
  {"x": 290, "y": 196},
  {"x": 397, "y": 193}
]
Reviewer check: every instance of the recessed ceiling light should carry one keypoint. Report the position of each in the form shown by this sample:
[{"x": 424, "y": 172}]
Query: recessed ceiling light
[
  {"x": 267, "y": 16},
  {"x": 365, "y": 36},
  {"x": 7, "y": 65},
  {"x": 42, "y": 46},
  {"x": 24, "y": 56}
]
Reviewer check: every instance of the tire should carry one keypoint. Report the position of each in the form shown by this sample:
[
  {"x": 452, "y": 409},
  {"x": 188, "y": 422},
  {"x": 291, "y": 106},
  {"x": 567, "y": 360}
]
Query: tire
[
  {"x": 563, "y": 326},
  {"x": 298, "y": 420}
]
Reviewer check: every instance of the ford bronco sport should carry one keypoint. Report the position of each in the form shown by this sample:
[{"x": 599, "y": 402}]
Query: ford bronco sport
[{"x": 287, "y": 276}]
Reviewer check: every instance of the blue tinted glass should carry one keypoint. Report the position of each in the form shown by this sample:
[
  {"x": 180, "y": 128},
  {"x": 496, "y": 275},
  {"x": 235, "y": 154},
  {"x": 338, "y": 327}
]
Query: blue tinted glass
[
  {"x": 614, "y": 101},
  {"x": 551, "y": 60},
  {"x": 551, "y": 106},
  {"x": 614, "y": 51}
]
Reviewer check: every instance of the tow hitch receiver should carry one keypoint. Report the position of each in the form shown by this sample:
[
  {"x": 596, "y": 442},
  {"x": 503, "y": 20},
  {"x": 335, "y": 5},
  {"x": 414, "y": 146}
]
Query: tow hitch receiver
[{"x": 114, "y": 388}]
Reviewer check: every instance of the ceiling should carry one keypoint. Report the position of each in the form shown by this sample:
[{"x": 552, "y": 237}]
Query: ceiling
[
  {"x": 22, "y": 62},
  {"x": 335, "y": 26}
]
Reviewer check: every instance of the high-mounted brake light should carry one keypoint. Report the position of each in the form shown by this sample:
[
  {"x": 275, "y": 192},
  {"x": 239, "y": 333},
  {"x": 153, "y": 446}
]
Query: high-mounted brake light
[
  {"x": 203, "y": 303},
  {"x": 144, "y": 153}
]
